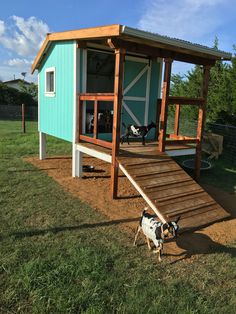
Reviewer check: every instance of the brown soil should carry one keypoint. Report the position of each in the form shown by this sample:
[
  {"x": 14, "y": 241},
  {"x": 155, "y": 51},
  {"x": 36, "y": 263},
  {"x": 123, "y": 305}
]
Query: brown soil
[{"x": 94, "y": 188}]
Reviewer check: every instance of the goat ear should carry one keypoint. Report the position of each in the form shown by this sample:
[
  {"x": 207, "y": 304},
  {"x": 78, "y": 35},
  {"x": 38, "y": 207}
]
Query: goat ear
[{"x": 177, "y": 220}]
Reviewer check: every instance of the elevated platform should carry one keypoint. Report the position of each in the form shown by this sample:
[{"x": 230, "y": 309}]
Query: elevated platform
[{"x": 163, "y": 184}]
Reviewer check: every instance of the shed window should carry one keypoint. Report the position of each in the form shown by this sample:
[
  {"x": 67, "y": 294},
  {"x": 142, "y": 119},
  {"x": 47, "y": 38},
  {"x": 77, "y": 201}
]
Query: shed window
[{"x": 50, "y": 81}]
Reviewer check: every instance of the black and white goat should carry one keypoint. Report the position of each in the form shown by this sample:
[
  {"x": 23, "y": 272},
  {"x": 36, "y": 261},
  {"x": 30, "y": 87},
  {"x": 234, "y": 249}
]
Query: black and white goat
[
  {"x": 156, "y": 231},
  {"x": 136, "y": 131}
]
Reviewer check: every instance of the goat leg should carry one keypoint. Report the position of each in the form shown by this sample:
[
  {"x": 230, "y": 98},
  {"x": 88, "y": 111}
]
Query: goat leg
[
  {"x": 136, "y": 235},
  {"x": 143, "y": 140},
  {"x": 148, "y": 243}
]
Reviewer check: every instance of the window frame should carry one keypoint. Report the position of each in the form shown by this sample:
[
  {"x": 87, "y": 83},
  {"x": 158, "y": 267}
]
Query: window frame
[{"x": 50, "y": 93}]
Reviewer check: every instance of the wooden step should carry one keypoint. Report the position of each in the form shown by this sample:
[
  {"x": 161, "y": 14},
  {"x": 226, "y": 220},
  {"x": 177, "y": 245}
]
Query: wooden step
[
  {"x": 169, "y": 194},
  {"x": 176, "y": 198},
  {"x": 167, "y": 185},
  {"x": 147, "y": 164},
  {"x": 142, "y": 175},
  {"x": 187, "y": 202},
  {"x": 183, "y": 211}
]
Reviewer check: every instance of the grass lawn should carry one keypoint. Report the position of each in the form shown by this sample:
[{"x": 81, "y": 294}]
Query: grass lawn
[{"x": 55, "y": 258}]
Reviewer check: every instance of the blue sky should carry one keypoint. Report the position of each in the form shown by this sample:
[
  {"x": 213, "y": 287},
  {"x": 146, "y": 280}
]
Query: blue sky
[{"x": 24, "y": 23}]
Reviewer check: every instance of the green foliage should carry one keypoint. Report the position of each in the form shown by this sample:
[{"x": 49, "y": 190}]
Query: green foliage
[
  {"x": 11, "y": 96},
  {"x": 221, "y": 102},
  {"x": 31, "y": 89}
]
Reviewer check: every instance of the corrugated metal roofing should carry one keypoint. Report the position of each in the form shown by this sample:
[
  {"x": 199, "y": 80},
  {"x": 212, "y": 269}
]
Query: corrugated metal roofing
[{"x": 175, "y": 41}]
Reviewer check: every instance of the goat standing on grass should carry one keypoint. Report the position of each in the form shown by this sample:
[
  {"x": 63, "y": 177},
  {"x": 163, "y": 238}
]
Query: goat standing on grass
[
  {"x": 156, "y": 231},
  {"x": 136, "y": 131}
]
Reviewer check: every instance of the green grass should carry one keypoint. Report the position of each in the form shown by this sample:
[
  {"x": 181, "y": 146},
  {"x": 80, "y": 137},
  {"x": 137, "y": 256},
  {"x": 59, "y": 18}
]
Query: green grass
[{"x": 57, "y": 256}]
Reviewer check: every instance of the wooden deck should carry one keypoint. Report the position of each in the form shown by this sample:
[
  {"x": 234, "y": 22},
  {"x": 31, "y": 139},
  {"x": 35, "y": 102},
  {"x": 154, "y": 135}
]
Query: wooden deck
[{"x": 164, "y": 185}]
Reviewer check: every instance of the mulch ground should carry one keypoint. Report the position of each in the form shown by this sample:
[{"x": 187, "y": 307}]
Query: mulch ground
[{"x": 94, "y": 188}]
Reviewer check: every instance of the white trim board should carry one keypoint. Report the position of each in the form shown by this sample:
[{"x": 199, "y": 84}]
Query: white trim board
[
  {"x": 133, "y": 98},
  {"x": 147, "y": 93},
  {"x": 131, "y": 113},
  {"x": 137, "y": 59},
  {"x": 93, "y": 153},
  {"x": 135, "y": 80}
]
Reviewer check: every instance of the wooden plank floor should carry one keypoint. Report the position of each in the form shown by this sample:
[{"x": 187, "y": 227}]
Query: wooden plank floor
[{"x": 165, "y": 186}]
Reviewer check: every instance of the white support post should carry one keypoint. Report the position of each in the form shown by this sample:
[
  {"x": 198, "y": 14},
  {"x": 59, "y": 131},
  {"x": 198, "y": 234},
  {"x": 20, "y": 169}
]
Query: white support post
[
  {"x": 77, "y": 162},
  {"x": 42, "y": 145}
]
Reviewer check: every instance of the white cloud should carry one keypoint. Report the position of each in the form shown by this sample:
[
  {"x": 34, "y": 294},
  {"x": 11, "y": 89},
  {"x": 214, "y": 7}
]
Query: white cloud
[
  {"x": 25, "y": 36},
  {"x": 17, "y": 62},
  {"x": 187, "y": 19},
  {"x": 2, "y": 27},
  {"x": 20, "y": 39}
]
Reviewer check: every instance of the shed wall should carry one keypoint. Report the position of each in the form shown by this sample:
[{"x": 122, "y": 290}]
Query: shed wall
[{"x": 56, "y": 113}]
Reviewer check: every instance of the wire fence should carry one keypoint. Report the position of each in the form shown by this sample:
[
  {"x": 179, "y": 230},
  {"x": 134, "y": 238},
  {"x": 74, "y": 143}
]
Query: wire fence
[
  {"x": 188, "y": 127},
  {"x": 229, "y": 143}
]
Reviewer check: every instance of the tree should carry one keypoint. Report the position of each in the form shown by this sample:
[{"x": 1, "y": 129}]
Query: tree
[
  {"x": 221, "y": 101},
  {"x": 31, "y": 89}
]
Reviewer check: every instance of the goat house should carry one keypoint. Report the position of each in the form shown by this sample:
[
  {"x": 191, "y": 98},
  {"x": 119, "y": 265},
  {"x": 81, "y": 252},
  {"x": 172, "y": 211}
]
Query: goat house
[{"x": 93, "y": 81}]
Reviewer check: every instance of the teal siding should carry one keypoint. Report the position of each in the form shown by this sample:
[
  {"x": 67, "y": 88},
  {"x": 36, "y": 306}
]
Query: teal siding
[{"x": 56, "y": 113}]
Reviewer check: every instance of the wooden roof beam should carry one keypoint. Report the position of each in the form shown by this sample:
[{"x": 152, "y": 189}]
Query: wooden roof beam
[{"x": 155, "y": 52}]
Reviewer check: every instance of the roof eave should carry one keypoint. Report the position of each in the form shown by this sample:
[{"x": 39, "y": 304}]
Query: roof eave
[
  {"x": 86, "y": 33},
  {"x": 220, "y": 55}
]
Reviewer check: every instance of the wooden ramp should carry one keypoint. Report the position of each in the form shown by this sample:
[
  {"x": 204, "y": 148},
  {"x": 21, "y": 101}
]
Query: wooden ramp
[{"x": 168, "y": 189}]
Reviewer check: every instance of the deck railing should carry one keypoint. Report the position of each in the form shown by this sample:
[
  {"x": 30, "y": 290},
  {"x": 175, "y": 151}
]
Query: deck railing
[
  {"x": 175, "y": 138},
  {"x": 95, "y": 98}
]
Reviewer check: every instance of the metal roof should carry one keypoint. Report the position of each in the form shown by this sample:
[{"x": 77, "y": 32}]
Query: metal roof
[
  {"x": 122, "y": 31},
  {"x": 175, "y": 42}
]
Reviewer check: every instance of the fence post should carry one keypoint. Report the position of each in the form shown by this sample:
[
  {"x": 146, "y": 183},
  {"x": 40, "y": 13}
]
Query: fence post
[{"x": 23, "y": 117}]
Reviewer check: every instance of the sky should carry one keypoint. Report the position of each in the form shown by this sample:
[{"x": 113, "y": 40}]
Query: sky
[{"x": 25, "y": 23}]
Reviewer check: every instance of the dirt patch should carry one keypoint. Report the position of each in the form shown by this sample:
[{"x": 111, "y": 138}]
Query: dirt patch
[{"x": 94, "y": 188}]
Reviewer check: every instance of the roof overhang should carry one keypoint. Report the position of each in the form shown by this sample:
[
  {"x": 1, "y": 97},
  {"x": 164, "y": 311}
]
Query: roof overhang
[{"x": 135, "y": 39}]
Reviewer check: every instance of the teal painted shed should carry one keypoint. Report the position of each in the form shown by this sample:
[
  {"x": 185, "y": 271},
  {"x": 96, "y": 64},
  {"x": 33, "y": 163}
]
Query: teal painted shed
[{"x": 94, "y": 82}]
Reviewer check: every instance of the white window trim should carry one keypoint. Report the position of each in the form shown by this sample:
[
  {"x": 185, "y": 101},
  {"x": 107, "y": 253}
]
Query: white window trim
[{"x": 50, "y": 94}]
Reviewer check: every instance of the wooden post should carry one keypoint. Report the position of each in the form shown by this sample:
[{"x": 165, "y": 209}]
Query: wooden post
[
  {"x": 177, "y": 116},
  {"x": 118, "y": 90},
  {"x": 201, "y": 119},
  {"x": 80, "y": 120},
  {"x": 164, "y": 104},
  {"x": 23, "y": 117},
  {"x": 158, "y": 118}
]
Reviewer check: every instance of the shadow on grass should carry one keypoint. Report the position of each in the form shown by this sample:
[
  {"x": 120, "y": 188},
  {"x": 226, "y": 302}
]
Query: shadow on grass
[
  {"x": 33, "y": 170},
  {"x": 55, "y": 230},
  {"x": 199, "y": 244}
]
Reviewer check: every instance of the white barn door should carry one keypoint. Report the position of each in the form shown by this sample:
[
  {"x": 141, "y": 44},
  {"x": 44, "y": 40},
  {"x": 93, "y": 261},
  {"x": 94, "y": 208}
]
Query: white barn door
[{"x": 136, "y": 90}]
